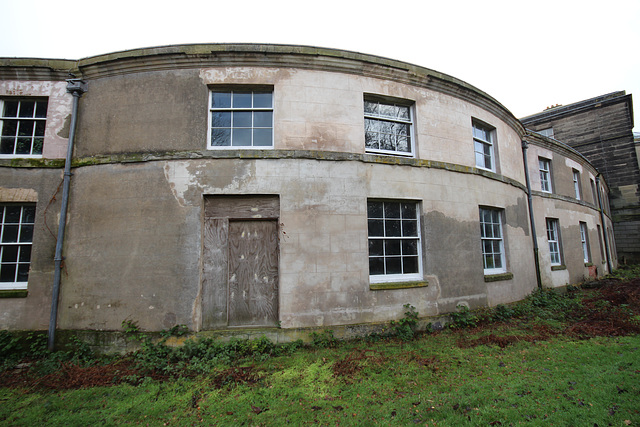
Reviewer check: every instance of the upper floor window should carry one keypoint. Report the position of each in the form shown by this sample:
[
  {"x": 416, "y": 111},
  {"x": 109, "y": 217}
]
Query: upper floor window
[
  {"x": 553, "y": 236},
  {"x": 16, "y": 235},
  {"x": 576, "y": 183},
  {"x": 545, "y": 174},
  {"x": 483, "y": 143},
  {"x": 22, "y": 127},
  {"x": 548, "y": 132},
  {"x": 493, "y": 254},
  {"x": 241, "y": 118},
  {"x": 593, "y": 192},
  {"x": 388, "y": 127},
  {"x": 394, "y": 241}
]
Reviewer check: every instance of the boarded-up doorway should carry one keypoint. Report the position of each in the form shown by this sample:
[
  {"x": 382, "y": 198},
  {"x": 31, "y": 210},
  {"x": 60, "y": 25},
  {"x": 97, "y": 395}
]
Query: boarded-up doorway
[{"x": 240, "y": 277}]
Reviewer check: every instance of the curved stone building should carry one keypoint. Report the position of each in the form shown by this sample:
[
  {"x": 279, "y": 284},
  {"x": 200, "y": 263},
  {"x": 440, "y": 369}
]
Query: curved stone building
[{"x": 244, "y": 186}]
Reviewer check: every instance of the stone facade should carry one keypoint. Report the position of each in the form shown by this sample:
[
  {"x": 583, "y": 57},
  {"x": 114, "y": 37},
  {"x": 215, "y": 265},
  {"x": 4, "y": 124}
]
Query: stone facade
[
  {"x": 165, "y": 227},
  {"x": 601, "y": 129}
]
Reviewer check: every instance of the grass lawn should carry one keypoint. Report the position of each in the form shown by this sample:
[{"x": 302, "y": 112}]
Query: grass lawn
[{"x": 542, "y": 362}]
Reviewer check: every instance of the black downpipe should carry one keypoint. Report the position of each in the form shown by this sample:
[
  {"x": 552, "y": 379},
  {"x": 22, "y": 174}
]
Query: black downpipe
[
  {"x": 604, "y": 226},
  {"x": 534, "y": 237},
  {"x": 75, "y": 87}
]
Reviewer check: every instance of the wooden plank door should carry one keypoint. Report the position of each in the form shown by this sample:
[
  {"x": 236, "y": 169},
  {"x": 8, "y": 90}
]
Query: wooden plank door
[{"x": 253, "y": 273}]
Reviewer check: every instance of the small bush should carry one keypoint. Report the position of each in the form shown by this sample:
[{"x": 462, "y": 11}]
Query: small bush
[
  {"x": 324, "y": 339},
  {"x": 463, "y": 318},
  {"x": 405, "y": 327}
]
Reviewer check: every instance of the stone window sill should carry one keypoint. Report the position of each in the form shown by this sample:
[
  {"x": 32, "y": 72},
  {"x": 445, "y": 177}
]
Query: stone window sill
[
  {"x": 398, "y": 285},
  {"x": 13, "y": 293},
  {"x": 558, "y": 267},
  {"x": 498, "y": 277}
]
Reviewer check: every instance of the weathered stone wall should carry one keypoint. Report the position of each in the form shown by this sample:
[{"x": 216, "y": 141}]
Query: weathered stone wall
[
  {"x": 601, "y": 130},
  {"x": 135, "y": 237}
]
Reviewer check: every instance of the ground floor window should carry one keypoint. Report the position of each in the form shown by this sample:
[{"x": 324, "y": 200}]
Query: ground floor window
[
  {"x": 584, "y": 238},
  {"x": 553, "y": 236},
  {"x": 394, "y": 240},
  {"x": 16, "y": 236},
  {"x": 492, "y": 241}
]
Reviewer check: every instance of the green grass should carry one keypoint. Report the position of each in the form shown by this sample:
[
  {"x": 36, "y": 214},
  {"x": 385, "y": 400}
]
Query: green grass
[
  {"x": 560, "y": 382},
  {"x": 433, "y": 379}
]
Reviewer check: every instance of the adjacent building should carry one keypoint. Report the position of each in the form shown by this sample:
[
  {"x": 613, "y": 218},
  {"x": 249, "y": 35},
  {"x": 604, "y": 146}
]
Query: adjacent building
[
  {"x": 601, "y": 129},
  {"x": 248, "y": 186}
]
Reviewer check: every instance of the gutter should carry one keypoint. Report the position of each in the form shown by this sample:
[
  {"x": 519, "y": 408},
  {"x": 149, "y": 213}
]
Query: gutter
[
  {"x": 75, "y": 87},
  {"x": 534, "y": 237}
]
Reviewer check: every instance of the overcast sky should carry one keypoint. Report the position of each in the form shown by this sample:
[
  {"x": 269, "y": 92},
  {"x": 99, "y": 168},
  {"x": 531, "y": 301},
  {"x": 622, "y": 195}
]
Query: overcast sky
[{"x": 527, "y": 55}]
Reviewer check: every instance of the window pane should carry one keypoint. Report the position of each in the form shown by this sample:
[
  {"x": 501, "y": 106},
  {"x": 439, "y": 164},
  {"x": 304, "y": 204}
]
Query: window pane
[
  {"x": 9, "y": 253},
  {"x": 9, "y": 127},
  {"x": 221, "y": 99},
  {"x": 221, "y": 119},
  {"x": 10, "y": 234},
  {"x": 376, "y": 266},
  {"x": 41, "y": 109},
  {"x": 370, "y": 107},
  {"x": 371, "y": 140},
  {"x": 376, "y": 247},
  {"x": 262, "y": 100},
  {"x": 392, "y": 210},
  {"x": 376, "y": 228},
  {"x": 23, "y": 146},
  {"x": 409, "y": 228},
  {"x": 242, "y": 119},
  {"x": 12, "y": 214},
  {"x": 26, "y": 108},
  {"x": 25, "y": 128},
  {"x": 409, "y": 265},
  {"x": 25, "y": 253},
  {"x": 26, "y": 233},
  {"x": 23, "y": 273},
  {"x": 374, "y": 209},
  {"x": 7, "y": 273},
  {"x": 241, "y": 100},
  {"x": 409, "y": 247},
  {"x": 10, "y": 109},
  {"x": 262, "y": 137},
  {"x": 241, "y": 137},
  {"x": 404, "y": 145},
  {"x": 409, "y": 210},
  {"x": 262, "y": 119},
  {"x": 7, "y": 145},
  {"x": 37, "y": 146},
  {"x": 40, "y": 125},
  {"x": 221, "y": 137},
  {"x": 392, "y": 247},
  {"x": 392, "y": 228},
  {"x": 393, "y": 265}
]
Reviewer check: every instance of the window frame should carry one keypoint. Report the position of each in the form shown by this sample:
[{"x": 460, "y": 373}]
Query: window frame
[
  {"x": 584, "y": 240},
  {"x": 546, "y": 132},
  {"x": 490, "y": 143},
  {"x": 239, "y": 89},
  {"x": 18, "y": 119},
  {"x": 554, "y": 240},
  {"x": 371, "y": 237},
  {"x": 545, "y": 175},
  {"x": 576, "y": 184},
  {"x": 593, "y": 191},
  {"x": 485, "y": 238},
  {"x": 394, "y": 102},
  {"x": 16, "y": 284}
]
